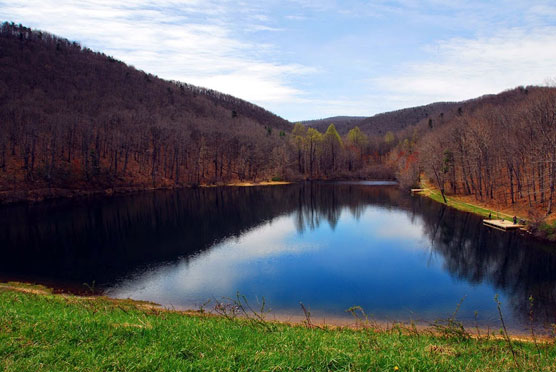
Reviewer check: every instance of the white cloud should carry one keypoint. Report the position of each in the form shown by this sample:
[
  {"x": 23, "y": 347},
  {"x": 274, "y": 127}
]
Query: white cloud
[
  {"x": 316, "y": 5},
  {"x": 249, "y": 86},
  {"x": 462, "y": 68},
  {"x": 294, "y": 17},
  {"x": 265, "y": 51},
  {"x": 257, "y": 28},
  {"x": 192, "y": 41},
  {"x": 393, "y": 224},
  {"x": 218, "y": 270},
  {"x": 361, "y": 106}
]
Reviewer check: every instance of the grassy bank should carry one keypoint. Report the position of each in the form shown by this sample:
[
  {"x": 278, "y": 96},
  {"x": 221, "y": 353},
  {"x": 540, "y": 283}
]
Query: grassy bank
[
  {"x": 545, "y": 231},
  {"x": 43, "y": 331},
  {"x": 456, "y": 203}
]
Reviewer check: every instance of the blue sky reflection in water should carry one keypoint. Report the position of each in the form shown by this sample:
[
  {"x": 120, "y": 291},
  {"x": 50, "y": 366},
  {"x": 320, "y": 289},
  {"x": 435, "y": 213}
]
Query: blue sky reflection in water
[
  {"x": 328, "y": 245},
  {"x": 372, "y": 256}
]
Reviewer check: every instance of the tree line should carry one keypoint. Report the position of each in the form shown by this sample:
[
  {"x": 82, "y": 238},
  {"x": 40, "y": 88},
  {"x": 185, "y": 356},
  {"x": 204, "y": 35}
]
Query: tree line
[
  {"x": 319, "y": 155},
  {"x": 496, "y": 152}
]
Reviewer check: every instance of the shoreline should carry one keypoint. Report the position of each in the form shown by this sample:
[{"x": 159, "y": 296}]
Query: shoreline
[
  {"x": 534, "y": 232},
  {"x": 251, "y": 184},
  {"x": 45, "y": 331},
  {"x": 39, "y": 195},
  {"x": 461, "y": 205}
]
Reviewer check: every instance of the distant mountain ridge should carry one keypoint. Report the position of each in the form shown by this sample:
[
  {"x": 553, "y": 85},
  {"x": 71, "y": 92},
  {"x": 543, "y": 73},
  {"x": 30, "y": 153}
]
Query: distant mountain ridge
[
  {"x": 433, "y": 114},
  {"x": 339, "y": 121},
  {"x": 381, "y": 123}
]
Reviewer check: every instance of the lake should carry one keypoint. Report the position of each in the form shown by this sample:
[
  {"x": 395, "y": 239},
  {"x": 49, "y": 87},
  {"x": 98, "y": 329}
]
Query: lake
[{"x": 328, "y": 245}]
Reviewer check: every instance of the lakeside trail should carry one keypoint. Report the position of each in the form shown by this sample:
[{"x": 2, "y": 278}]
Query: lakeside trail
[{"x": 41, "y": 330}]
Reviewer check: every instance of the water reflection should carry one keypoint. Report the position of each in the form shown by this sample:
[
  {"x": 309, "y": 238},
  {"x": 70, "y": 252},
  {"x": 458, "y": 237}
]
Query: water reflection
[
  {"x": 519, "y": 267},
  {"x": 329, "y": 245}
]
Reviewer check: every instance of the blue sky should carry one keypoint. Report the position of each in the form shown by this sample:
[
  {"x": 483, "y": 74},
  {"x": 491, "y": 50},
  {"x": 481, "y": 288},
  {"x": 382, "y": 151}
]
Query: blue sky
[{"x": 308, "y": 59}]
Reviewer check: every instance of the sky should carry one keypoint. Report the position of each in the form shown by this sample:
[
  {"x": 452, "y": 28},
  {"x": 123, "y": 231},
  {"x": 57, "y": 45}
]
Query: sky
[{"x": 311, "y": 59}]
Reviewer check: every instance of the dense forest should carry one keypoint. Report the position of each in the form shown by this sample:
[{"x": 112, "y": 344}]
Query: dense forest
[
  {"x": 499, "y": 150},
  {"x": 393, "y": 121},
  {"x": 73, "y": 117},
  {"x": 342, "y": 123}
]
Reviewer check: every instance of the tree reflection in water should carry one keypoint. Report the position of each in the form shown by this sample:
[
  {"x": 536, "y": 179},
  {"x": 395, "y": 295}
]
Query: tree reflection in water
[{"x": 67, "y": 243}]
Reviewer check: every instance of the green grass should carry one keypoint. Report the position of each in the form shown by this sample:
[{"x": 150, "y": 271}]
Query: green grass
[
  {"x": 547, "y": 230},
  {"x": 466, "y": 207},
  {"x": 46, "y": 332}
]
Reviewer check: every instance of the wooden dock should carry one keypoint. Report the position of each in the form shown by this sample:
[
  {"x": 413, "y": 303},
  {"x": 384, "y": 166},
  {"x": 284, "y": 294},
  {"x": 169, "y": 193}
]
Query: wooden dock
[
  {"x": 503, "y": 224},
  {"x": 417, "y": 190}
]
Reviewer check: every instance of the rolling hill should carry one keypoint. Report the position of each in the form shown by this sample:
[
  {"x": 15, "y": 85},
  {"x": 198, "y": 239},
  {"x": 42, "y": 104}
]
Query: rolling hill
[
  {"x": 433, "y": 115},
  {"x": 78, "y": 119}
]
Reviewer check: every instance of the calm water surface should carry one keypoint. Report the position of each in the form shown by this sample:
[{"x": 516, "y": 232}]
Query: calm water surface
[{"x": 328, "y": 245}]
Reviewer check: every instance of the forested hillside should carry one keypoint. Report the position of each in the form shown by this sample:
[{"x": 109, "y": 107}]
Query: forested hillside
[
  {"x": 342, "y": 123},
  {"x": 74, "y": 119},
  {"x": 393, "y": 121},
  {"x": 79, "y": 119},
  {"x": 432, "y": 115},
  {"x": 499, "y": 149}
]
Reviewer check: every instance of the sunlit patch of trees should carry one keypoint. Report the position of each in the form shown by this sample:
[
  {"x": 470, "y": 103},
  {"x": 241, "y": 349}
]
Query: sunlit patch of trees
[{"x": 328, "y": 155}]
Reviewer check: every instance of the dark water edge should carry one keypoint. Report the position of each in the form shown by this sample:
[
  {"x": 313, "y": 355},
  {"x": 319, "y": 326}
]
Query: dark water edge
[{"x": 118, "y": 241}]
